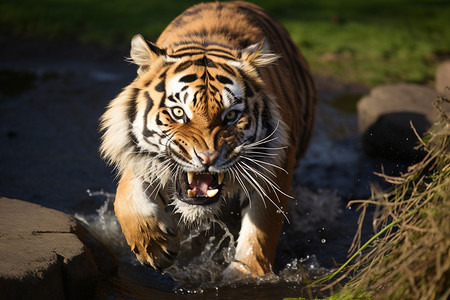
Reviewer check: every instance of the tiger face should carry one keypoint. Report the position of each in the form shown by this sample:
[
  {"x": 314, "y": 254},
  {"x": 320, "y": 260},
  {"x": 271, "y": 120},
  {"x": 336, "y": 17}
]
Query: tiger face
[
  {"x": 221, "y": 111},
  {"x": 198, "y": 116}
]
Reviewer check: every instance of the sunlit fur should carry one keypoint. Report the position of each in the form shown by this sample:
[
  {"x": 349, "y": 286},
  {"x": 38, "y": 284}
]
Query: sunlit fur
[{"x": 222, "y": 78}]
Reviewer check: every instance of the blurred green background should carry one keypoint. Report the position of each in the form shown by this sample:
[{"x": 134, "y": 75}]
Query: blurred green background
[{"x": 369, "y": 42}]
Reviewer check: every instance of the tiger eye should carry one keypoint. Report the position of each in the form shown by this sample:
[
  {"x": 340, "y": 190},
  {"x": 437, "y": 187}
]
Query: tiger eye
[
  {"x": 231, "y": 115},
  {"x": 178, "y": 112}
]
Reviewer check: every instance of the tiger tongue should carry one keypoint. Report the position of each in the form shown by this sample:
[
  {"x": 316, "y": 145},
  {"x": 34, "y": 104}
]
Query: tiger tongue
[{"x": 201, "y": 183}]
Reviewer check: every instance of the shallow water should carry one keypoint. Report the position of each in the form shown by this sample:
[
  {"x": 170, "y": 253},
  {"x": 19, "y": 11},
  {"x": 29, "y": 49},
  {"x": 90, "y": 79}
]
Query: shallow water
[{"x": 196, "y": 273}]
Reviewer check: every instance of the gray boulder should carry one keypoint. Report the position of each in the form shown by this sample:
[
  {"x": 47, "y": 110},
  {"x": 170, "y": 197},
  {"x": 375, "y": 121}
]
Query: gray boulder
[
  {"x": 46, "y": 254},
  {"x": 442, "y": 81},
  {"x": 385, "y": 117}
]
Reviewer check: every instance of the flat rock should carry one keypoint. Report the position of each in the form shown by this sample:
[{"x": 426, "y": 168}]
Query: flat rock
[
  {"x": 385, "y": 117},
  {"x": 442, "y": 81},
  {"x": 46, "y": 254}
]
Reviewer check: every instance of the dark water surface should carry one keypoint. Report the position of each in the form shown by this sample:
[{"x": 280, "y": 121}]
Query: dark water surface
[{"x": 51, "y": 97}]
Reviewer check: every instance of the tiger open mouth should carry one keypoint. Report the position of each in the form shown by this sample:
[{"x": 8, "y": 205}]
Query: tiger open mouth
[{"x": 200, "y": 188}]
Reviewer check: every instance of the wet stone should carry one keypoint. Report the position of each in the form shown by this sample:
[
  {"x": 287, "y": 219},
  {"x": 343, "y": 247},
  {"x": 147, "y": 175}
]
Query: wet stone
[
  {"x": 442, "y": 82},
  {"x": 385, "y": 117},
  {"x": 46, "y": 254}
]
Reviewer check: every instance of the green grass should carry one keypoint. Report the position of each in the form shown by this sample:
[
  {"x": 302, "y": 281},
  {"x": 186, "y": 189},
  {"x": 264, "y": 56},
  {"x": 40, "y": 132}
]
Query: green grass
[{"x": 371, "y": 42}]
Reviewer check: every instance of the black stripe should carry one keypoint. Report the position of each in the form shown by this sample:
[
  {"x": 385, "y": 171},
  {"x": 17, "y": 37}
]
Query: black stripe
[
  {"x": 248, "y": 90},
  {"x": 207, "y": 50},
  {"x": 204, "y": 44},
  {"x": 200, "y": 62},
  {"x": 183, "y": 66},
  {"x": 188, "y": 78},
  {"x": 132, "y": 110},
  {"x": 248, "y": 125},
  {"x": 150, "y": 102},
  {"x": 163, "y": 75},
  {"x": 172, "y": 99},
  {"x": 228, "y": 69},
  {"x": 198, "y": 53},
  {"x": 163, "y": 100},
  {"x": 186, "y": 54},
  {"x": 159, "y": 122},
  {"x": 146, "y": 132},
  {"x": 236, "y": 99},
  {"x": 185, "y": 152},
  {"x": 266, "y": 116},
  {"x": 131, "y": 115},
  {"x": 257, "y": 116},
  {"x": 195, "y": 98},
  {"x": 160, "y": 86},
  {"x": 210, "y": 63},
  {"x": 189, "y": 48},
  {"x": 224, "y": 80},
  {"x": 156, "y": 49},
  {"x": 222, "y": 56},
  {"x": 158, "y": 119},
  {"x": 216, "y": 90}
]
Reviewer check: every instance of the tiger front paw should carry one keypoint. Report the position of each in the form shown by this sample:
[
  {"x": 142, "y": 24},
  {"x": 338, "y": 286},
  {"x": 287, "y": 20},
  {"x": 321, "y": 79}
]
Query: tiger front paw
[{"x": 154, "y": 243}]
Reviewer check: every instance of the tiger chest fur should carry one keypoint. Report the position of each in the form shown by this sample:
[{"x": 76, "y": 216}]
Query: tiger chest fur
[{"x": 221, "y": 110}]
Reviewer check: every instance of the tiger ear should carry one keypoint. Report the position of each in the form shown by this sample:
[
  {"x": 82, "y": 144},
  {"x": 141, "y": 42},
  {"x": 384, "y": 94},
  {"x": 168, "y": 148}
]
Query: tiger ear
[
  {"x": 258, "y": 55},
  {"x": 144, "y": 53}
]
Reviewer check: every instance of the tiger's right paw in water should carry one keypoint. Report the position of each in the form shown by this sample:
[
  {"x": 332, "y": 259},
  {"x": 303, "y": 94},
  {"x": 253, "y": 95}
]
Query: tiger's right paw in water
[{"x": 155, "y": 244}]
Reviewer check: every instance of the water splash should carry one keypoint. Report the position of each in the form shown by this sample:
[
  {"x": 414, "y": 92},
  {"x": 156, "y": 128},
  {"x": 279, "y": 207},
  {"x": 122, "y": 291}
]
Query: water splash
[
  {"x": 299, "y": 270},
  {"x": 204, "y": 271},
  {"x": 103, "y": 224},
  {"x": 206, "y": 251}
]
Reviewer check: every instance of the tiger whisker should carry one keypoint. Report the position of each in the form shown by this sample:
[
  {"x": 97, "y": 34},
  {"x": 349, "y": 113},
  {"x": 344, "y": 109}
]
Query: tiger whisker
[
  {"x": 266, "y": 139},
  {"x": 260, "y": 142},
  {"x": 261, "y": 154},
  {"x": 244, "y": 188},
  {"x": 266, "y": 182},
  {"x": 256, "y": 186},
  {"x": 156, "y": 176},
  {"x": 266, "y": 148},
  {"x": 160, "y": 184},
  {"x": 261, "y": 192},
  {"x": 259, "y": 174},
  {"x": 257, "y": 162},
  {"x": 269, "y": 181}
]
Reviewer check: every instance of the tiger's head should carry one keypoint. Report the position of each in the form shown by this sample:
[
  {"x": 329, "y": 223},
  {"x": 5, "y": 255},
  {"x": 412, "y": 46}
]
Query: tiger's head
[{"x": 197, "y": 123}]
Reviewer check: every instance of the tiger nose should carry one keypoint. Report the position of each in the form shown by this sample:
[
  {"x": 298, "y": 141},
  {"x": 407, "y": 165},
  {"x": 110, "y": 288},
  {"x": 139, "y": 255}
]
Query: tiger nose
[{"x": 208, "y": 158}]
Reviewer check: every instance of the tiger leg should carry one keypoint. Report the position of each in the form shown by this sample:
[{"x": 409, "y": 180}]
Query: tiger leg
[
  {"x": 258, "y": 238},
  {"x": 148, "y": 229}
]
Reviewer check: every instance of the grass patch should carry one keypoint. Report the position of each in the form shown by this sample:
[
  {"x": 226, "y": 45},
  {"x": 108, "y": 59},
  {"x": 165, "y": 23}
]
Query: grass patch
[
  {"x": 370, "y": 42},
  {"x": 409, "y": 257}
]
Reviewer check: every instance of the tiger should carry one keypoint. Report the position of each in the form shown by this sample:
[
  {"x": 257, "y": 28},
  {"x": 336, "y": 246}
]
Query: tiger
[{"x": 221, "y": 111}]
